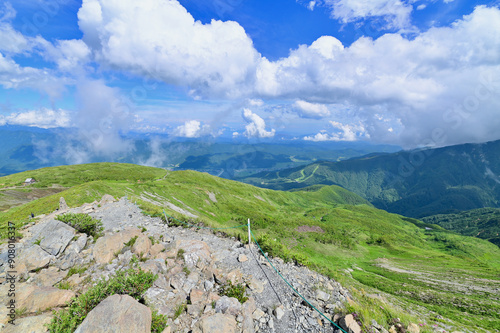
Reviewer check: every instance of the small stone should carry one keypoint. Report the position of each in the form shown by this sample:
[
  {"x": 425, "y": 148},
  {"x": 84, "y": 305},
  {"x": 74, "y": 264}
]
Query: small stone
[
  {"x": 279, "y": 312},
  {"x": 242, "y": 258},
  {"x": 257, "y": 314},
  {"x": 413, "y": 328}
]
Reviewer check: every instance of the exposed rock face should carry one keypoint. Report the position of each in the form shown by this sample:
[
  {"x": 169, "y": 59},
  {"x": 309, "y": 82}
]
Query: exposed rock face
[
  {"x": 116, "y": 314},
  {"x": 413, "y": 328},
  {"x": 191, "y": 268},
  {"x": 106, "y": 247}
]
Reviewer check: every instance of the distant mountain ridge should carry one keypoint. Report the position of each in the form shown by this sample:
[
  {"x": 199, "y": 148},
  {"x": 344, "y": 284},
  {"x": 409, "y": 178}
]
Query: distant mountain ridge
[{"x": 414, "y": 183}]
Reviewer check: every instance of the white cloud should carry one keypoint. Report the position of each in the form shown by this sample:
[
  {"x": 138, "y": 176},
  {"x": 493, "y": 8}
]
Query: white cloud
[
  {"x": 256, "y": 127},
  {"x": 44, "y": 118},
  {"x": 7, "y": 12},
  {"x": 413, "y": 82},
  {"x": 191, "y": 129},
  {"x": 397, "y": 13},
  {"x": 12, "y": 41},
  {"x": 67, "y": 54},
  {"x": 311, "y": 5},
  {"x": 348, "y": 132},
  {"x": 160, "y": 39},
  {"x": 421, "y": 7},
  {"x": 255, "y": 102},
  {"x": 13, "y": 76},
  {"x": 311, "y": 110}
]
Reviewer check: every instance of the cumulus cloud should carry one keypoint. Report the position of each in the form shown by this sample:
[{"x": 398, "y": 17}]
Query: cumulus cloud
[
  {"x": 256, "y": 126},
  {"x": 345, "y": 132},
  {"x": 191, "y": 129},
  {"x": 418, "y": 83},
  {"x": 44, "y": 118},
  {"x": 14, "y": 76},
  {"x": 395, "y": 12},
  {"x": 67, "y": 54},
  {"x": 311, "y": 110},
  {"x": 160, "y": 39}
]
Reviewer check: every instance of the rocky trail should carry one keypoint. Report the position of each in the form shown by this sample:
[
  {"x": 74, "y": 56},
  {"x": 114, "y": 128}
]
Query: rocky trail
[{"x": 191, "y": 265}]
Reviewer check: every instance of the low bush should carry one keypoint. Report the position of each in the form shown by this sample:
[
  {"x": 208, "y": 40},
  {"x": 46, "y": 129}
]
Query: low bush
[{"x": 83, "y": 223}]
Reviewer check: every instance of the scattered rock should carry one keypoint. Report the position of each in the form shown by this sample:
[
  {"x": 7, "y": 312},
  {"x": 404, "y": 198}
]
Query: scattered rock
[
  {"x": 413, "y": 328},
  {"x": 218, "y": 323},
  {"x": 35, "y": 324},
  {"x": 62, "y": 204},
  {"x": 117, "y": 313},
  {"x": 242, "y": 258},
  {"x": 349, "y": 324},
  {"x": 279, "y": 312},
  {"x": 194, "y": 250},
  {"x": 106, "y": 247},
  {"x": 227, "y": 305},
  {"x": 142, "y": 245}
]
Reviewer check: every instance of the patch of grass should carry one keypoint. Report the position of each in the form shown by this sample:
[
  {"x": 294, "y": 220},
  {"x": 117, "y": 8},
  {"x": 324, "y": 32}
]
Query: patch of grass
[
  {"x": 158, "y": 322},
  {"x": 129, "y": 282},
  {"x": 131, "y": 242},
  {"x": 65, "y": 285},
  {"x": 83, "y": 223},
  {"x": 38, "y": 241},
  {"x": 21, "y": 312},
  {"x": 237, "y": 291},
  {"x": 180, "y": 254},
  {"x": 179, "y": 310},
  {"x": 143, "y": 229},
  {"x": 186, "y": 270},
  {"x": 76, "y": 270}
]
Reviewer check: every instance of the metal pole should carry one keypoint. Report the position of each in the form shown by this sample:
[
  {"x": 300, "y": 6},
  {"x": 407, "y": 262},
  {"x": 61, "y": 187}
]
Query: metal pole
[
  {"x": 249, "y": 238},
  {"x": 166, "y": 219}
]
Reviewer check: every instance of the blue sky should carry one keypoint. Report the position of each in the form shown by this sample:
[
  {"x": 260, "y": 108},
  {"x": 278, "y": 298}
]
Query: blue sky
[{"x": 412, "y": 73}]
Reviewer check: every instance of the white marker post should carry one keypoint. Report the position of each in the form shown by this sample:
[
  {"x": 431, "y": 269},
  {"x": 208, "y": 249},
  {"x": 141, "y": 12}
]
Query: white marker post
[
  {"x": 166, "y": 219},
  {"x": 249, "y": 237}
]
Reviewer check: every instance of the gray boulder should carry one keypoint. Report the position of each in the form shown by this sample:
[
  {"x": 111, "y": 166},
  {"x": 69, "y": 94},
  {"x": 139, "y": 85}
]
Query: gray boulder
[
  {"x": 54, "y": 236},
  {"x": 117, "y": 314}
]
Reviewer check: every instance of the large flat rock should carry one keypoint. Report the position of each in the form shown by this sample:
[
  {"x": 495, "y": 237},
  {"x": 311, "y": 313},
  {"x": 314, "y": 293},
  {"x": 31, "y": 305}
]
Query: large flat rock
[
  {"x": 35, "y": 298},
  {"x": 117, "y": 314},
  {"x": 34, "y": 257},
  {"x": 54, "y": 236},
  {"x": 106, "y": 247}
]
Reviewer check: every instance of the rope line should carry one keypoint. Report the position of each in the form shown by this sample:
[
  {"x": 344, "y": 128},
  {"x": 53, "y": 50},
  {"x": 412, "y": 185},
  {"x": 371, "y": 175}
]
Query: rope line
[
  {"x": 321, "y": 313},
  {"x": 209, "y": 228},
  {"x": 255, "y": 240}
]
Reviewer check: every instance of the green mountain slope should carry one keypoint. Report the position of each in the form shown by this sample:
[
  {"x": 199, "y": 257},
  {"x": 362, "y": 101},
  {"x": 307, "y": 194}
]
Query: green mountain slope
[
  {"x": 399, "y": 263},
  {"x": 415, "y": 183},
  {"x": 483, "y": 223}
]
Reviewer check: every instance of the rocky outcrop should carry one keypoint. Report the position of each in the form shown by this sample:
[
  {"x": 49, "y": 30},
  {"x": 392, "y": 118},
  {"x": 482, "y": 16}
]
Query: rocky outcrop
[
  {"x": 117, "y": 313},
  {"x": 192, "y": 267}
]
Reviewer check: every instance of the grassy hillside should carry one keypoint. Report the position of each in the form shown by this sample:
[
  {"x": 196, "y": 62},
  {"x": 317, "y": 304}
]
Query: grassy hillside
[
  {"x": 417, "y": 183},
  {"x": 391, "y": 264},
  {"x": 483, "y": 223}
]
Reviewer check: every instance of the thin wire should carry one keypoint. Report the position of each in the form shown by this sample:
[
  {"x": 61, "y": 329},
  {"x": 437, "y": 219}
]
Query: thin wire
[{"x": 321, "y": 313}]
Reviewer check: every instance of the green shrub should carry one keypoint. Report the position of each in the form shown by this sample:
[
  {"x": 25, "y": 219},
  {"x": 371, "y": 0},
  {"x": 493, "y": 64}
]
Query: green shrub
[
  {"x": 130, "y": 282},
  {"x": 83, "y": 223},
  {"x": 237, "y": 291},
  {"x": 158, "y": 322}
]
